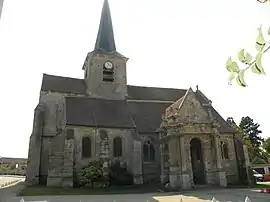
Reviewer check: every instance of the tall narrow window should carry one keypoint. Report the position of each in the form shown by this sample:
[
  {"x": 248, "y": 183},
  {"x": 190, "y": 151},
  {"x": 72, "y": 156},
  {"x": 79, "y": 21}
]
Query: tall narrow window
[
  {"x": 117, "y": 147},
  {"x": 86, "y": 147},
  {"x": 148, "y": 151},
  {"x": 224, "y": 150}
]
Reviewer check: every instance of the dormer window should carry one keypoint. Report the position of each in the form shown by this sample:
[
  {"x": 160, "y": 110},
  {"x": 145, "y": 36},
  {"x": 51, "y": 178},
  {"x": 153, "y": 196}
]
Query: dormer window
[{"x": 108, "y": 72}]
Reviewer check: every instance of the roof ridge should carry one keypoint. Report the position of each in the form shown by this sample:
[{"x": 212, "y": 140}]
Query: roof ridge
[
  {"x": 64, "y": 77},
  {"x": 156, "y": 87},
  {"x": 184, "y": 97}
]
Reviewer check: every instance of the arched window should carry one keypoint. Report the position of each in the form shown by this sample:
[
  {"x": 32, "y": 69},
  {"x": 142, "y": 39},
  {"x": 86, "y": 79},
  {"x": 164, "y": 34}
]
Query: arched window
[
  {"x": 148, "y": 151},
  {"x": 166, "y": 148},
  {"x": 224, "y": 150},
  {"x": 117, "y": 147},
  {"x": 86, "y": 147}
]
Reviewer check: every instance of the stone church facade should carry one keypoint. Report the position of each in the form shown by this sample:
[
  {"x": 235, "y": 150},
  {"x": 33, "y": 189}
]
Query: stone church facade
[{"x": 162, "y": 135}]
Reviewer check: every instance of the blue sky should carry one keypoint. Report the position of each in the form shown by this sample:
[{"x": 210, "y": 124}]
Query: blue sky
[{"x": 170, "y": 43}]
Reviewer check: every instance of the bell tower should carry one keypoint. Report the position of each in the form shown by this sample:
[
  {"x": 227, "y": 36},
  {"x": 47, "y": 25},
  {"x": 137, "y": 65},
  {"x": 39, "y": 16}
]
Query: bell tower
[{"x": 105, "y": 68}]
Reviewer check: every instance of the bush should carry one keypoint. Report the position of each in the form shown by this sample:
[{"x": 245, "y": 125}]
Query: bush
[{"x": 91, "y": 174}]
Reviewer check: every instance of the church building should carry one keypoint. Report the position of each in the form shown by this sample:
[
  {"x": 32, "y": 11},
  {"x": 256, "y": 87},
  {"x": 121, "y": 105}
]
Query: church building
[{"x": 162, "y": 135}]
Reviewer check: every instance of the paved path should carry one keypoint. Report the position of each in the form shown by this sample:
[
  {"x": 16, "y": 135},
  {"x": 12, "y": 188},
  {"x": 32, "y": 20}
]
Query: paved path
[
  {"x": 5, "y": 179},
  {"x": 222, "y": 195},
  {"x": 10, "y": 191}
]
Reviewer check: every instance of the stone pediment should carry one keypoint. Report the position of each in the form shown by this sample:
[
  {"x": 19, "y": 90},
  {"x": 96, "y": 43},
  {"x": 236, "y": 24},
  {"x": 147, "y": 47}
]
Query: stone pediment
[{"x": 188, "y": 109}]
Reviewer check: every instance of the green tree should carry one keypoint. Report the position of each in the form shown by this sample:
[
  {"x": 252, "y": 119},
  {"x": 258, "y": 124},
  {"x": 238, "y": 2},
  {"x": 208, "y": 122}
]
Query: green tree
[
  {"x": 266, "y": 145},
  {"x": 248, "y": 131},
  {"x": 251, "y": 131}
]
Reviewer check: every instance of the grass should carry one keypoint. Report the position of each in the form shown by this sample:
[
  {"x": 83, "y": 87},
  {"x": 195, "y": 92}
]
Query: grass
[
  {"x": 259, "y": 185},
  {"x": 39, "y": 190}
]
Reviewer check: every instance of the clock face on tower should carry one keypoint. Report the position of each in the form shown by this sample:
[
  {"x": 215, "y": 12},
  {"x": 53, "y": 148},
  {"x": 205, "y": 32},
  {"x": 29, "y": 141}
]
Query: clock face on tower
[{"x": 108, "y": 65}]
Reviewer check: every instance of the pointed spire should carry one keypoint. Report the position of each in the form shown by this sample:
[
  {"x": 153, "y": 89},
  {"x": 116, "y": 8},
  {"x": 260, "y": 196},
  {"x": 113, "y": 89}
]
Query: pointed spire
[{"x": 105, "y": 39}]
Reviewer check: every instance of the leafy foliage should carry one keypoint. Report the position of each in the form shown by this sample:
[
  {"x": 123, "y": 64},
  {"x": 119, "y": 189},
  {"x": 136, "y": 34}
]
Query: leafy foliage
[
  {"x": 90, "y": 174},
  {"x": 263, "y": 1},
  {"x": 248, "y": 61},
  {"x": 266, "y": 146},
  {"x": 249, "y": 132}
]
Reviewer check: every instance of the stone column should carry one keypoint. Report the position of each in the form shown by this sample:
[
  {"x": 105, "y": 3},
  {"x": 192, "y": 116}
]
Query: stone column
[
  {"x": 174, "y": 166},
  {"x": 162, "y": 175},
  {"x": 221, "y": 174},
  {"x": 186, "y": 184}
]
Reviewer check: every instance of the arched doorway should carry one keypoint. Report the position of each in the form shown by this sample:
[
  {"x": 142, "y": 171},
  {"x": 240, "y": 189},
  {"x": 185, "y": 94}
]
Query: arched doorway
[{"x": 197, "y": 161}]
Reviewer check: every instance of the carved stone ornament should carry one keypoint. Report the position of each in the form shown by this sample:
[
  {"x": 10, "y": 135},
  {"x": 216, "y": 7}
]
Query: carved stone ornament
[{"x": 202, "y": 128}]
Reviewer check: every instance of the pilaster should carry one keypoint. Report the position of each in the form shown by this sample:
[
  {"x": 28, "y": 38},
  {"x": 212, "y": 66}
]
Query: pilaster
[
  {"x": 185, "y": 176},
  {"x": 174, "y": 164},
  {"x": 221, "y": 175},
  {"x": 137, "y": 163}
]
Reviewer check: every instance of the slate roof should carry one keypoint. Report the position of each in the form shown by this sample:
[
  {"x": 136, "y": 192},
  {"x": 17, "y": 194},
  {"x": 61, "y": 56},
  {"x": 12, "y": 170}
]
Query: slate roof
[
  {"x": 153, "y": 93},
  {"x": 98, "y": 112},
  {"x": 105, "y": 39},
  {"x": 62, "y": 84},
  {"x": 146, "y": 115}
]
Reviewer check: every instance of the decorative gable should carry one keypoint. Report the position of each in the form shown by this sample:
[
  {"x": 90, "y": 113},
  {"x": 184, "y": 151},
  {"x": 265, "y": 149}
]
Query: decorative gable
[{"x": 189, "y": 110}]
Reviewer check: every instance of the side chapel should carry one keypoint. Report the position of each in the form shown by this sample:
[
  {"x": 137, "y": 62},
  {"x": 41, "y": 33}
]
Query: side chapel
[{"x": 161, "y": 134}]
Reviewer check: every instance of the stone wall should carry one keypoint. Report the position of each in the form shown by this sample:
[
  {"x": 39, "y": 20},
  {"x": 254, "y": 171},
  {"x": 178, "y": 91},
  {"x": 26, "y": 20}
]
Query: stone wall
[
  {"x": 96, "y": 87},
  {"x": 35, "y": 142},
  {"x": 151, "y": 169},
  {"x": 131, "y": 147},
  {"x": 56, "y": 160},
  {"x": 177, "y": 161},
  {"x": 54, "y": 107},
  {"x": 230, "y": 165}
]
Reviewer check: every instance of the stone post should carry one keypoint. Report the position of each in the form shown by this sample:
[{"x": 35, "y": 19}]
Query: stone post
[
  {"x": 186, "y": 184},
  {"x": 221, "y": 174}
]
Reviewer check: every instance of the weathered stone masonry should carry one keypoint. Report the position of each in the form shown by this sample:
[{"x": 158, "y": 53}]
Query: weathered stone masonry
[{"x": 163, "y": 135}]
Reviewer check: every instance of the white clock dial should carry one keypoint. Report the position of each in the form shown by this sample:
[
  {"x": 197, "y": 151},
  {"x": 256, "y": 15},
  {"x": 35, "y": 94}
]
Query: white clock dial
[{"x": 108, "y": 65}]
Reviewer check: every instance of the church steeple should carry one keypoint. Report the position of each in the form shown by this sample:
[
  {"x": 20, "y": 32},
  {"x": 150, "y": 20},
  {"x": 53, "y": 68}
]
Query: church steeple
[
  {"x": 105, "y": 68},
  {"x": 105, "y": 39}
]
